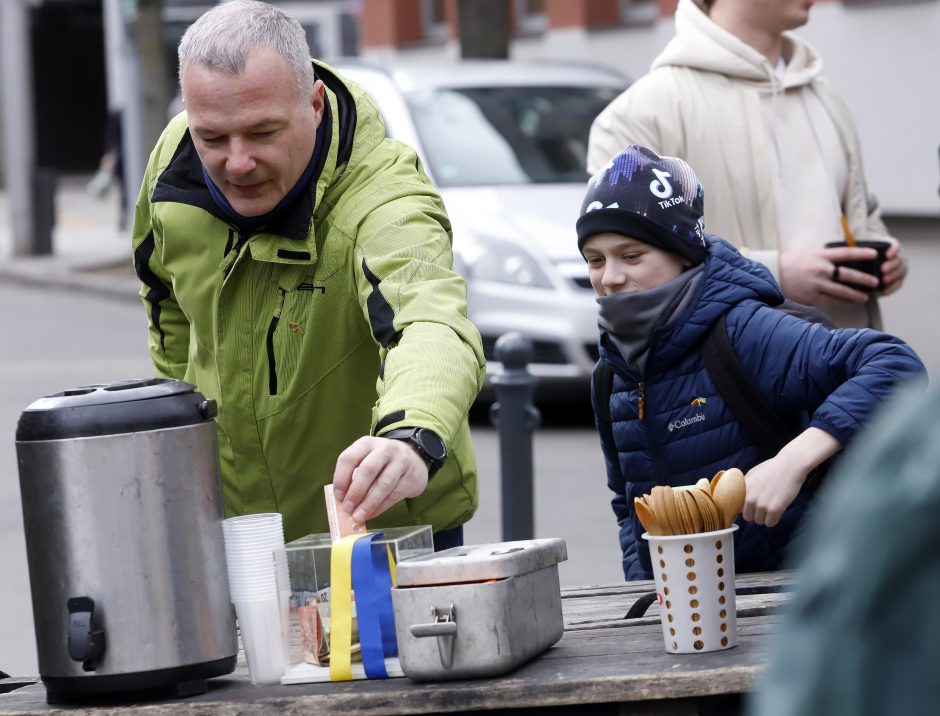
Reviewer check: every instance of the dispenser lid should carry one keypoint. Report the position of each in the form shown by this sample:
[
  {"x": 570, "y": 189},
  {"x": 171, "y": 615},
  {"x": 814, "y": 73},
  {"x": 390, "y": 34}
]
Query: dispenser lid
[
  {"x": 474, "y": 563},
  {"x": 107, "y": 409}
]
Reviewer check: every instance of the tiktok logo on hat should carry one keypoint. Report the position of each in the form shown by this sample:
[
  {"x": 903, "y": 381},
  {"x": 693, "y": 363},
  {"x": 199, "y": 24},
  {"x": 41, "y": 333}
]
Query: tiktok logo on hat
[{"x": 660, "y": 186}]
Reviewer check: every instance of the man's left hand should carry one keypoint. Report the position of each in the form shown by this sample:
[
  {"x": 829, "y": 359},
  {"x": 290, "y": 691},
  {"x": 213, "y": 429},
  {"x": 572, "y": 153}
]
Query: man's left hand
[
  {"x": 894, "y": 269},
  {"x": 373, "y": 474}
]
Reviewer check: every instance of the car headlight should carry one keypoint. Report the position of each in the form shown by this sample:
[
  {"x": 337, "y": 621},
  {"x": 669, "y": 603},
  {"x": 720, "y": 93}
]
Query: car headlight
[{"x": 504, "y": 261}]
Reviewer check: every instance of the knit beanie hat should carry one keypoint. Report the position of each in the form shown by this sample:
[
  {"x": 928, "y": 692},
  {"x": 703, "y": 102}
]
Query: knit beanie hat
[{"x": 657, "y": 200}]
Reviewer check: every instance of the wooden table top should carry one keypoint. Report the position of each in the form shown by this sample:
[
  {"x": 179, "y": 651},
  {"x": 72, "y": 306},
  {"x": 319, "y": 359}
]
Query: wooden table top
[{"x": 601, "y": 658}]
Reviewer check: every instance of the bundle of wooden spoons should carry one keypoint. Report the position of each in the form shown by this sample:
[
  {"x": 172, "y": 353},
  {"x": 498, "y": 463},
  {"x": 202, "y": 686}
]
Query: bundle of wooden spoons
[{"x": 705, "y": 506}]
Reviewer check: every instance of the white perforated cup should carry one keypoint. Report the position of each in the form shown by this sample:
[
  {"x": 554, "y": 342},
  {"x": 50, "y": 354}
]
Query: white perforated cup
[{"x": 695, "y": 588}]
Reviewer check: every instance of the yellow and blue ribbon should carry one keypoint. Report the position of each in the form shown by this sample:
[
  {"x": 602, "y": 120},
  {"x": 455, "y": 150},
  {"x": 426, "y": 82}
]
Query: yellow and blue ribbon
[{"x": 360, "y": 565}]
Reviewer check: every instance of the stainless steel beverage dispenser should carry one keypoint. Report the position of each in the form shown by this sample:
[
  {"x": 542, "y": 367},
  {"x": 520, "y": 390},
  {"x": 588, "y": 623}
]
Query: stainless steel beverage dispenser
[{"x": 122, "y": 509}]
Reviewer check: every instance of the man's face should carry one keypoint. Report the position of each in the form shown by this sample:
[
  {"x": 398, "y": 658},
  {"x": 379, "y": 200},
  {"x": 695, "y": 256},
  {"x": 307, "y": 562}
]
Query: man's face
[
  {"x": 782, "y": 15},
  {"x": 252, "y": 131},
  {"x": 773, "y": 16},
  {"x": 786, "y": 14},
  {"x": 619, "y": 264}
]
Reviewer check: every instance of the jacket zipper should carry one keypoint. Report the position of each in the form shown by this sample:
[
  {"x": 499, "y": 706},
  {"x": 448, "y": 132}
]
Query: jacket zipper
[
  {"x": 654, "y": 450},
  {"x": 272, "y": 366},
  {"x": 234, "y": 250}
]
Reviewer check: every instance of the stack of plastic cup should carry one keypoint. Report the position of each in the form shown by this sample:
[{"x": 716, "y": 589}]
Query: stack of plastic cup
[{"x": 253, "y": 544}]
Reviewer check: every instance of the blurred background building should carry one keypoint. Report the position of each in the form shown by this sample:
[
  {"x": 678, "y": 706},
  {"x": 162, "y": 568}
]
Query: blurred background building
[{"x": 66, "y": 64}]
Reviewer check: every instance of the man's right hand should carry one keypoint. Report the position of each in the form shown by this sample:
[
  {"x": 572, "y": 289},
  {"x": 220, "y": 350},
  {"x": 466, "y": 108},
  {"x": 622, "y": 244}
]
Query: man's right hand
[
  {"x": 808, "y": 275},
  {"x": 375, "y": 473}
]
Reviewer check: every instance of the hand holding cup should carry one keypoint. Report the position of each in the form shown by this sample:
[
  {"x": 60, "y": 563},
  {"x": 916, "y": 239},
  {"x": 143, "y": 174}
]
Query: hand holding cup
[{"x": 859, "y": 265}]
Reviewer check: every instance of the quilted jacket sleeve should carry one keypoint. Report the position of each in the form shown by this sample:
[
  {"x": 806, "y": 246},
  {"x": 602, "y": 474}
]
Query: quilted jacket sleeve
[{"x": 840, "y": 377}]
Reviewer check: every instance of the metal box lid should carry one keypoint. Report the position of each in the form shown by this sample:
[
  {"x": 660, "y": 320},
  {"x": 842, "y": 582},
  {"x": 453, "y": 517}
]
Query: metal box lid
[{"x": 476, "y": 563}]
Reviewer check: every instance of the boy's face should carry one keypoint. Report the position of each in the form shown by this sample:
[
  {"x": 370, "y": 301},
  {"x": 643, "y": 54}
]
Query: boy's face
[{"x": 619, "y": 264}]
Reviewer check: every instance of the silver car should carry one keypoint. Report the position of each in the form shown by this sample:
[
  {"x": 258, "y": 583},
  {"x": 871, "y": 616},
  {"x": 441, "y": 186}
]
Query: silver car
[{"x": 505, "y": 142}]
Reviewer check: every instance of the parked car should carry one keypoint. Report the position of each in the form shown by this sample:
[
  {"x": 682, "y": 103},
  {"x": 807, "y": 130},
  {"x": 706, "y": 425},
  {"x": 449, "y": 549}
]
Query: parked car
[{"x": 505, "y": 142}]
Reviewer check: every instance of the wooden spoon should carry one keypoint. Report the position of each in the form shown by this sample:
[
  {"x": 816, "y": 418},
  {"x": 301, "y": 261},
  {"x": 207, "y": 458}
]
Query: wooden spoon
[
  {"x": 672, "y": 512},
  {"x": 696, "y": 521},
  {"x": 658, "y": 497},
  {"x": 647, "y": 517},
  {"x": 714, "y": 481},
  {"x": 710, "y": 515},
  {"x": 847, "y": 232},
  {"x": 728, "y": 493},
  {"x": 683, "y": 513}
]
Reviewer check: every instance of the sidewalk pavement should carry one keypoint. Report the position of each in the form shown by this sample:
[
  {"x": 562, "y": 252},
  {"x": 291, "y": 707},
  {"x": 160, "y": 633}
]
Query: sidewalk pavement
[{"x": 89, "y": 251}]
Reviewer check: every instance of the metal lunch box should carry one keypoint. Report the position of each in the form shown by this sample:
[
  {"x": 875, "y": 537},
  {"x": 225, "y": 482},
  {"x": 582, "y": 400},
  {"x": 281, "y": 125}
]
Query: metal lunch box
[{"x": 478, "y": 610}]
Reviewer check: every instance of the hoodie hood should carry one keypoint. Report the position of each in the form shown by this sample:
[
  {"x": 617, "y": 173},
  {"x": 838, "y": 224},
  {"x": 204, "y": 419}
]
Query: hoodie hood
[
  {"x": 702, "y": 45},
  {"x": 728, "y": 279}
]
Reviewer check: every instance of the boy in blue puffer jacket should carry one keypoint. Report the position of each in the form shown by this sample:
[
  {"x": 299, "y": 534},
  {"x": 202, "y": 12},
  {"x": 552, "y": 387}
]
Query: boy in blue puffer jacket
[{"x": 661, "y": 283}]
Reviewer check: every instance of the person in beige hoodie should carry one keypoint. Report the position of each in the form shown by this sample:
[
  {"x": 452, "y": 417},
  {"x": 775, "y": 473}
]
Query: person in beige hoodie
[{"x": 743, "y": 101}]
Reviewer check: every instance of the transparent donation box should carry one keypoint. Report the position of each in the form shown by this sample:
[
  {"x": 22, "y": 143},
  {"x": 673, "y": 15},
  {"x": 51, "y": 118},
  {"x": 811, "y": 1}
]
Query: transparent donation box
[{"x": 308, "y": 617}]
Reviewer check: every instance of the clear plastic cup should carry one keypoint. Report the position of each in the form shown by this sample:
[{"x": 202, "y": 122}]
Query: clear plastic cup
[
  {"x": 695, "y": 587},
  {"x": 241, "y": 522},
  {"x": 246, "y": 531},
  {"x": 258, "y": 577},
  {"x": 248, "y": 538},
  {"x": 260, "y": 624},
  {"x": 256, "y": 589}
]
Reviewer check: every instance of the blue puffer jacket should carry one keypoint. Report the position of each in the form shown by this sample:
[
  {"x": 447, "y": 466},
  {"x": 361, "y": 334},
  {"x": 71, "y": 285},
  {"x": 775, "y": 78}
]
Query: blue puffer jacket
[{"x": 831, "y": 380}]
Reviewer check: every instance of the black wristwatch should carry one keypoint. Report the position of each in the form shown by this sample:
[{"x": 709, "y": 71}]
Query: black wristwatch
[{"x": 429, "y": 446}]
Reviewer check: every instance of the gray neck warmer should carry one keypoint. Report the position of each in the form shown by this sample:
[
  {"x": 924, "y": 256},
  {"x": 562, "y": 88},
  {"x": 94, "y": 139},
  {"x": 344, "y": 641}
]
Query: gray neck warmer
[{"x": 630, "y": 318}]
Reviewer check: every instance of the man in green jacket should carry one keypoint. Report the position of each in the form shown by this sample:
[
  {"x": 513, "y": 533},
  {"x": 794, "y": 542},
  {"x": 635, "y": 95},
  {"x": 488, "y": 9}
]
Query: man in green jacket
[{"x": 297, "y": 268}]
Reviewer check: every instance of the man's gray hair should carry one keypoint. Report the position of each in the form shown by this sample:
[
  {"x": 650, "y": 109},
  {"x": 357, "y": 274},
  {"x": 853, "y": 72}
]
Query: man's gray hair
[{"x": 223, "y": 37}]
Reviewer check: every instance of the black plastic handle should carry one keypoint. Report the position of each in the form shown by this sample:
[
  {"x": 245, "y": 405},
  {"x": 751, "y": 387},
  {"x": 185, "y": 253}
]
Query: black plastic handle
[
  {"x": 208, "y": 409},
  {"x": 641, "y": 605},
  {"x": 86, "y": 642}
]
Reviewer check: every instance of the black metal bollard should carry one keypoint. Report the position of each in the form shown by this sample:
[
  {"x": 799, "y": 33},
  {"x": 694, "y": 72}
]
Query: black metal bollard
[
  {"x": 43, "y": 208},
  {"x": 516, "y": 418}
]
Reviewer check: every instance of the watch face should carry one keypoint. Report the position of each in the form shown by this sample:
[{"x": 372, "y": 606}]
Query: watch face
[{"x": 432, "y": 444}]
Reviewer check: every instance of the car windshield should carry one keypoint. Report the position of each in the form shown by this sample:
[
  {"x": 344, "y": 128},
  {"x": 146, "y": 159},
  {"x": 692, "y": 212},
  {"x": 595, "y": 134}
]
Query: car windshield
[{"x": 507, "y": 135}]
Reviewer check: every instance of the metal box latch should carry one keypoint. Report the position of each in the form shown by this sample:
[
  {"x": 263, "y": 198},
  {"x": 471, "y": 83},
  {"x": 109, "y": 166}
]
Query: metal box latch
[{"x": 444, "y": 627}]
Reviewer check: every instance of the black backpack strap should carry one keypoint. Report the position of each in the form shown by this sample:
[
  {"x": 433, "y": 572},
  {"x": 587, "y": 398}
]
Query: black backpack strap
[
  {"x": 603, "y": 385},
  {"x": 756, "y": 417},
  {"x": 810, "y": 314}
]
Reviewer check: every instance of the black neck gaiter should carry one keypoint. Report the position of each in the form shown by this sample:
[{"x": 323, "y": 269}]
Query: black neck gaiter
[{"x": 630, "y": 318}]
